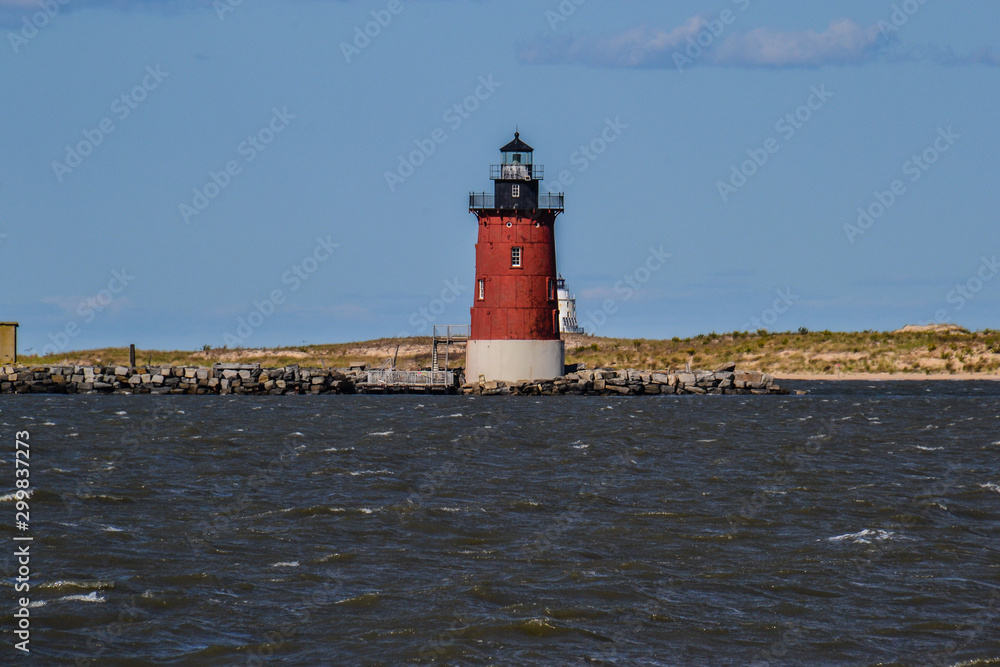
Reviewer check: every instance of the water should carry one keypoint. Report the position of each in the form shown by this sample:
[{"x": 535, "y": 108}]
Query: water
[{"x": 859, "y": 525}]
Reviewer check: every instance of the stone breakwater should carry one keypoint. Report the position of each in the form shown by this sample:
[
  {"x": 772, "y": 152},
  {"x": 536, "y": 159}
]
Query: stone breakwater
[
  {"x": 605, "y": 382},
  {"x": 253, "y": 380},
  {"x": 249, "y": 379}
]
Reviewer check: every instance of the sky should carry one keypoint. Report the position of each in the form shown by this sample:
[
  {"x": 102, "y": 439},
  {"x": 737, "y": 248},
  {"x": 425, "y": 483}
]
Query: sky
[{"x": 176, "y": 174}]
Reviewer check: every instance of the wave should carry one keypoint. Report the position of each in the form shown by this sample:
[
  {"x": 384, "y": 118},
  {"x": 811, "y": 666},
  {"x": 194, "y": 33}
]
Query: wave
[
  {"x": 90, "y": 597},
  {"x": 82, "y": 585},
  {"x": 865, "y": 536}
]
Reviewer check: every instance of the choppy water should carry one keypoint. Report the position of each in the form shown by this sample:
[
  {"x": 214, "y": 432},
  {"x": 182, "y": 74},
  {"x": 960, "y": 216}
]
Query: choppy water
[{"x": 859, "y": 525}]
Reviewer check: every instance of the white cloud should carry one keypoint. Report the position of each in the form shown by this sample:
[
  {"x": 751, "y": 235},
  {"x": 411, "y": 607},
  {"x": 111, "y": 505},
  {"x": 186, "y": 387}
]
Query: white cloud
[{"x": 844, "y": 42}]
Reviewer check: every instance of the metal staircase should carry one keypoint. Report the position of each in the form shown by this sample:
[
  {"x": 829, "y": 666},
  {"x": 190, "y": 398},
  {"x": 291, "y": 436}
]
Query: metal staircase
[{"x": 444, "y": 337}]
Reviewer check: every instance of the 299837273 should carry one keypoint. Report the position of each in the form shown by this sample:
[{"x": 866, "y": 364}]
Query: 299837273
[{"x": 22, "y": 540}]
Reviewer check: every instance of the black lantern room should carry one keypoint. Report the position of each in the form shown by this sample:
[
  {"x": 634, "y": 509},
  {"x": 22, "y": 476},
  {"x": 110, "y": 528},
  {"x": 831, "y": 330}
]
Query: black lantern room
[{"x": 517, "y": 179}]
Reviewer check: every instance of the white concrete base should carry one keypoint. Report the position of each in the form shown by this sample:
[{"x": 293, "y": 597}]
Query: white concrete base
[{"x": 513, "y": 360}]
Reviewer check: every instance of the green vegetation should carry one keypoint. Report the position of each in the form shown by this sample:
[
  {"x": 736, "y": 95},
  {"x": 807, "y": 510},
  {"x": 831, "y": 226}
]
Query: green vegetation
[{"x": 940, "y": 350}]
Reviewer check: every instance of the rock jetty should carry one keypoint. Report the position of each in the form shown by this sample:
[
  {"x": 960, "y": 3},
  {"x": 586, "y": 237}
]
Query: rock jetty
[
  {"x": 251, "y": 379},
  {"x": 220, "y": 379},
  {"x": 605, "y": 382}
]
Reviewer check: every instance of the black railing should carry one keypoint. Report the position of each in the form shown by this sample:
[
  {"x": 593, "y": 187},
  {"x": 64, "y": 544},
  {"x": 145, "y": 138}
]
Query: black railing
[
  {"x": 517, "y": 172},
  {"x": 480, "y": 201}
]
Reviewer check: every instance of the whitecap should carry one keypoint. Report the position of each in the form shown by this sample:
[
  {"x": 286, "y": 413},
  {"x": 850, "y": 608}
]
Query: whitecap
[
  {"x": 365, "y": 510},
  {"x": 297, "y": 434},
  {"x": 48, "y": 423},
  {"x": 929, "y": 449},
  {"x": 112, "y": 529},
  {"x": 581, "y": 446},
  {"x": 91, "y": 597},
  {"x": 91, "y": 584},
  {"x": 864, "y": 537},
  {"x": 380, "y": 434},
  {"x": 290, "y": 563},
  {"x": 991, "y": 486},
  {"x": 358, "y": 473},
  {"x": 711, "y": 440},
  {"x": 334, "y": 449},
  {"x": 10, "y": 497},
  {"x": 36, "y": 604},
  {"x": 121, "y": 412}
]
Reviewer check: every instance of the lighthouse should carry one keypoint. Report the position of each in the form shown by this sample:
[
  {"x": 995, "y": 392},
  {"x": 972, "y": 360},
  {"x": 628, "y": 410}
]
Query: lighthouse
[{"x": 515, "y": 313}]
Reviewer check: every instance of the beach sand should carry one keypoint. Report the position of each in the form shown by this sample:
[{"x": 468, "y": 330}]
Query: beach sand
[{"x": 884, "y": 377}]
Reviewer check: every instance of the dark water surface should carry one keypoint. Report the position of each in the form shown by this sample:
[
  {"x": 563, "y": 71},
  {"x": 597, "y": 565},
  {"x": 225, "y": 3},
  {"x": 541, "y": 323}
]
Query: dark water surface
[{"x": 858, "y": 525}]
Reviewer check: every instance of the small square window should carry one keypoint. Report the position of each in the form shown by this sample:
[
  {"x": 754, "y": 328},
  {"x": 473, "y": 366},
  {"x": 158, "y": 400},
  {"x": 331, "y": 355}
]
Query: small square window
[
  {"x": 482, "y": 290},
  {"x": 515, "y": 257},
  {"x": 515, "y": 191}
]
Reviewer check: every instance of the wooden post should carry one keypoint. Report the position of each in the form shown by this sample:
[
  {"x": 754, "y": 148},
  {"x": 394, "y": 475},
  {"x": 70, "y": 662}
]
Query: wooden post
[{"x": 131, "y": 355}]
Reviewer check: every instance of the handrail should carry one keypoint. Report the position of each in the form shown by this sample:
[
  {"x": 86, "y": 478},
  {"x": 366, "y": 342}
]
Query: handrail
[{"x": 479, "y": 201}]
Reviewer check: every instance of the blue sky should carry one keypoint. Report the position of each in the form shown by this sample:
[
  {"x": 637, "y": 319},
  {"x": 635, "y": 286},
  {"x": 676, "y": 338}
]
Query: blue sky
[{"x": 169, "y": 169}]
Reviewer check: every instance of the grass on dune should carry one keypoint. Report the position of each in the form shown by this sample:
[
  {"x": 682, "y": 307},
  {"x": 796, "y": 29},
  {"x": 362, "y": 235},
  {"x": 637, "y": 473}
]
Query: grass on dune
[{"x": 820, "y": 352}]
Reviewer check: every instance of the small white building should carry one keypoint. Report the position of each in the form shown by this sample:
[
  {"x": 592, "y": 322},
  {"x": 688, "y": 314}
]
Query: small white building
[{"x": 567, "y": 310}]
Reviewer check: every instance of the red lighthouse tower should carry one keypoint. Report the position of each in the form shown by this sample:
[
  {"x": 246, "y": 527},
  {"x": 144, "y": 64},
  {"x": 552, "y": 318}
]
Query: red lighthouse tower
[{"x": 515, "y": 316}]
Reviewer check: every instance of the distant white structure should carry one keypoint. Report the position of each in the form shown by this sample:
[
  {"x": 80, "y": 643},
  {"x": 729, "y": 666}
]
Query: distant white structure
[{"x": 567, "y": 310}]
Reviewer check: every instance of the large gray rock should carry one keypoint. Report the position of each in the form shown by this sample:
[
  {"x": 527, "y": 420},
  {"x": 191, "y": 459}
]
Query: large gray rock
[{"x": 686, "y": 379}]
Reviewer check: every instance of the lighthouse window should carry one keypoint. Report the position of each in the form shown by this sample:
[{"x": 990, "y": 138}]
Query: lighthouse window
[
  {"x": 552, "y": 290},
  {"x": 482, "y": 290},
  {"x": 515, "y": 191},
  {"x": 515, "y": 257}
]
